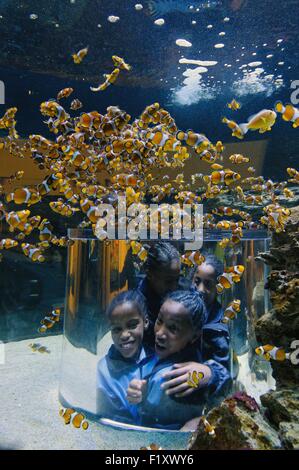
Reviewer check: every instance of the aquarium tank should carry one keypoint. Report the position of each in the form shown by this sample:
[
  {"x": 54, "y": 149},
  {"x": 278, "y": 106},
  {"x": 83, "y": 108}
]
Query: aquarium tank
[{"x": 149, "y": 194}]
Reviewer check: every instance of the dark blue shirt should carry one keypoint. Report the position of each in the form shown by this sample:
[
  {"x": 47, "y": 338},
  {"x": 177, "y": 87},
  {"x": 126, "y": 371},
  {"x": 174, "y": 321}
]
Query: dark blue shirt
[
  {"x": 114, "y": 373},
  {"x": 213, "y": 346},
  {"x": 159, "y": 410}
]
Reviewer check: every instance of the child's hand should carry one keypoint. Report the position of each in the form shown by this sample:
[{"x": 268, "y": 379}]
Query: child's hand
[
  {"x": 177, "y": 379},
  {"x": 136, "y": 390}
]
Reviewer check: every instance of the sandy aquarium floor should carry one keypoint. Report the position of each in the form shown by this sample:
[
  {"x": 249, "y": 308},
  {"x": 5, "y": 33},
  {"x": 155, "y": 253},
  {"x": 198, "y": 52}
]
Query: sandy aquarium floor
[{"x": 29, "y": 407}]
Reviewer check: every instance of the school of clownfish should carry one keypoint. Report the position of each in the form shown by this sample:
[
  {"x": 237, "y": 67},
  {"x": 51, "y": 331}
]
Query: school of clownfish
[{"x": 86, "y": 145}]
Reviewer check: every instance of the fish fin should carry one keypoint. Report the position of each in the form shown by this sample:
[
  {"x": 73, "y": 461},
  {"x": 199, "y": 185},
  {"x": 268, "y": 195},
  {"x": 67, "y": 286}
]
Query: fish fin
[
  {"x": 190, "y": 384},
  {"x": 244, "y": 127},
  {"x": 278, "y": 106}
]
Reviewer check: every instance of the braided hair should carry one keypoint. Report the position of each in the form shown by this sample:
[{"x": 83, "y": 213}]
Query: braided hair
[
  {"x": 132, "y": 296},
  {"x": 211, "y": 260},
  {"x": 160, "y": 255},
  {"x": 194, "y": 304}
]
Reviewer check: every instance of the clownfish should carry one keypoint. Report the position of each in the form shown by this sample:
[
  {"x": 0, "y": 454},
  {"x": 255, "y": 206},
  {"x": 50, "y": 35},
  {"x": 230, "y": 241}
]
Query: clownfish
[
  {"x": 7, "y": 243},
  {"x": 224, "y": 242},
  {"x": 45, "y": 231},
  {"x": 76, "y": 104},
  {"x": 289, "y": 113},
  {"x": 126, "y": 180},
  {"x": 151, "y": 446},
  {"x": 194, "y": 378},
  {"x": 79, "y": 56},
  {"x": 110, "y": 79},
  {"x": 224, "y": 176},
  {"x": 237, "y": 131},
  {"x": 234, "y": 105},
  {"x": 27, "y": 196},
  {"x": 195, "y": 258},
  {"x": 198, "y": 141},
  {"x": 294, "y": 174},
  {"x": 139, "y": 250},
  {"x": 231, "y": 275},
  {"x": 237, "y": 158},
  {"x": 231, "y": 311},
  {"x": 272, "y": 352},
  {"x": 72, "y": 416},
  {"x": 120, "y": 63},
  {"x": 64, "y": 93},
  {"x": 209, "y": 429},
  {"x": 38, "y": 347},
  {"x": 15, "y": 219},
  {"x": 33, "y": 252}
]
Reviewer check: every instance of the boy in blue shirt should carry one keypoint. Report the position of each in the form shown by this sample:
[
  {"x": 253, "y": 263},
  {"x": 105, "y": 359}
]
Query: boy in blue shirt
[
  {"x": 177, "y": 330},
  {"x": 126, "y": 359}
]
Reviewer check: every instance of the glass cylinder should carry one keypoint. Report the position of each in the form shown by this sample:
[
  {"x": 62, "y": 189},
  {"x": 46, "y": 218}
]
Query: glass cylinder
[{"x": 98, "y": 270}]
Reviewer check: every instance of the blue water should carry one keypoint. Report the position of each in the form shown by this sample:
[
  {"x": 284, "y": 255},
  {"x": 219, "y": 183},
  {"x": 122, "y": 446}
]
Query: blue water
[{"x": 36, "y": 58}]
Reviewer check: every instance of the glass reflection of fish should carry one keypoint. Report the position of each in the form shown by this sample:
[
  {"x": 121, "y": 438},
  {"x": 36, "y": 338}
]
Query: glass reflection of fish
[
  {"x": 158, "y": 8},
  {"x": 194, "y": 378}
]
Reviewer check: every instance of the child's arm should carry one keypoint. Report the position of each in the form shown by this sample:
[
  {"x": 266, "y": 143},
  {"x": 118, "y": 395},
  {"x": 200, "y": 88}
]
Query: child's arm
[
  {"x": 216, "y": 379},
  {"x": 136, "y": 391}
]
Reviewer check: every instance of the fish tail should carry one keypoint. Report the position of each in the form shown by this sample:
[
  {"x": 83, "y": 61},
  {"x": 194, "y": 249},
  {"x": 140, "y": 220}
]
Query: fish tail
[{"x": 244, "y": 128}]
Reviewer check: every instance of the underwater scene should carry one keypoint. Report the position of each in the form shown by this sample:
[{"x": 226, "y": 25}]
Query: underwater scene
[{"x": 149, "y": 225}]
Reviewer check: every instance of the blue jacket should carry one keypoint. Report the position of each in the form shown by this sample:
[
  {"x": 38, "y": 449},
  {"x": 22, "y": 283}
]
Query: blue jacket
[
  {"x": 213, "y": 347},
  {"x": 159, "y": 410},
  {"x": 114, "y": 373}
]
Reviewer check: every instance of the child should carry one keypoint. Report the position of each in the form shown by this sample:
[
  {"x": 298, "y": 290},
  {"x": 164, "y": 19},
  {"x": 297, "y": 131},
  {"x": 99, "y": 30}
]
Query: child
[
  {"x": 215, "y": 333},
  {"x": 162, "y": 275},
  {"x": 177, "y": 330},
  {"x": 126, "y": 358}
]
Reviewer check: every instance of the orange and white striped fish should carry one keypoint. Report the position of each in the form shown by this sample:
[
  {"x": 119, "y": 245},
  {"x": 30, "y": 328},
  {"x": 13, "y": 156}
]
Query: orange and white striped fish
[{"x": 272, "y": 352}]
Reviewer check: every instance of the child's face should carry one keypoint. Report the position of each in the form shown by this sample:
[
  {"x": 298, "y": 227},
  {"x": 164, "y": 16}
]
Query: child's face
[
  {"x": 173, "y": 329},
  {"x": 205, "y": 281},
  {"x": 166, "y": 279},
  {"x": 127, "y": 328}
]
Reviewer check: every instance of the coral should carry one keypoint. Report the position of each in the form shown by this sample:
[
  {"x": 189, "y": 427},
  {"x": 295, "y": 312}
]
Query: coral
[
  {"x": 289, "y": 435},
  {"x": 237, "y": 427},
  {"x": 248, "y": 401},
  {"x": 282, "y": 405}
]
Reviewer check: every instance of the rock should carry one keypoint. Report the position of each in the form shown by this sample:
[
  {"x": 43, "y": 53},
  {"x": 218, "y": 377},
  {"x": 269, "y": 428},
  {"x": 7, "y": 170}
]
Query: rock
[
  {"x": 282, "y": 405},
  {"x": 280, "y": 326},
  {"x": 236, "y": 428},
  {"x": 289, "y": 434}
]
